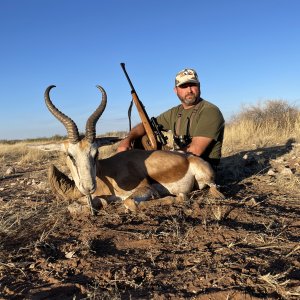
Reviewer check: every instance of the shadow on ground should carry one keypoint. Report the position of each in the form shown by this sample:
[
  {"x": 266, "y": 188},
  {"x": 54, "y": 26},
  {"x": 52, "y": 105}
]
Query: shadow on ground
[{"x": 235, "y": 168}]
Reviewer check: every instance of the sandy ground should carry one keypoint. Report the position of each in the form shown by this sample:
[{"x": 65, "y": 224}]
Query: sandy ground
[{"x": 243, "y": 247}]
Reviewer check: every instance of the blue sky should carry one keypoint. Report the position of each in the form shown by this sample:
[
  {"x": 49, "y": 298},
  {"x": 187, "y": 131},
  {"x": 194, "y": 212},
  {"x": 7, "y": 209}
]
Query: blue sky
[{"x": 244, "y": 51}]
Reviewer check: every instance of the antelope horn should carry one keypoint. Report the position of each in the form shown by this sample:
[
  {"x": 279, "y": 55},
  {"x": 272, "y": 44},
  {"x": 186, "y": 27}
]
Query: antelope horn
[
  {"x": 90, "y": 129},
  {"x": 69, "y": 124}
]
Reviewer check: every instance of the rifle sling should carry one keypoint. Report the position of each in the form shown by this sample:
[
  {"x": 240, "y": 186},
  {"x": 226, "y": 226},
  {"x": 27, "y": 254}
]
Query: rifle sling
[
  {"x": 189, "y": 120},
  {"x": 129, "y": 114}
]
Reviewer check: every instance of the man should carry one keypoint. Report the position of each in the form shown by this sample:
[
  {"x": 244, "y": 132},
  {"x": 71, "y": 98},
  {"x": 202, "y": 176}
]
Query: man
[{"x": 197, "y": 125}]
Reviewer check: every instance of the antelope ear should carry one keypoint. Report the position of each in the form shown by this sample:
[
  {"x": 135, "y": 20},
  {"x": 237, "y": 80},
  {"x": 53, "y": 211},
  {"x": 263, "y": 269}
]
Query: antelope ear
[
  {"x": 104, "y": 141},
  {"x": 48, "y": 146}
]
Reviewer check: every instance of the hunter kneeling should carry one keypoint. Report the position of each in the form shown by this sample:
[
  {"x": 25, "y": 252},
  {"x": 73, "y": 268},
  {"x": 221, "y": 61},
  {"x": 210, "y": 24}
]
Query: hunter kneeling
[{"x": 197, "y": 125}]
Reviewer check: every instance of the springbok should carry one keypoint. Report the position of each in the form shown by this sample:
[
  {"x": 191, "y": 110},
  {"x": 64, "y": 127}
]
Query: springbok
[{"x": 133, "y": 176}]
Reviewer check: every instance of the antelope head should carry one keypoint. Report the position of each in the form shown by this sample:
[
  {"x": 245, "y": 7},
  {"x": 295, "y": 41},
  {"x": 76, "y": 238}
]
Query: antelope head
[{"x": 82, "y": 153}]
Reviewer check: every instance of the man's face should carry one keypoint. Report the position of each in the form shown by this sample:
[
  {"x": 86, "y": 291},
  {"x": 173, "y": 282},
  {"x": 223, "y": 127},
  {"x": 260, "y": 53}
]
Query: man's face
[{"x": 188, "y": 93}]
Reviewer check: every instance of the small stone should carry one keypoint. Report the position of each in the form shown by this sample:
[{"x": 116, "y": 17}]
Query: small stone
[
  {"x": 286, "y": 171},
  {"x": 10, "y": 170},
  {"x": 271, "y": 172},
  {"x": 252, "y": 202},
  {"x": 261, "y": 161},
  {"x": 70, "y": 254},
  {"x": 42, "y": 186}
]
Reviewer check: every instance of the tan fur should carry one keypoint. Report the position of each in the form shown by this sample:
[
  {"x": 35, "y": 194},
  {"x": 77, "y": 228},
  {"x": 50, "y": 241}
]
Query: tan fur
[
  {"x": 83, "y": 143},
  {"x": 137, "y": 175},
  {"x": 124, "y": 172},
  {"x": 176, "y": 167}
]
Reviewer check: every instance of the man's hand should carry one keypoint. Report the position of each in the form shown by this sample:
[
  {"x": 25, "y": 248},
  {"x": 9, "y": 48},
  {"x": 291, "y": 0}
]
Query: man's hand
[
  {"x": 124, "y": 145},
  {"x": 136, "y": 132},
  {"x": 198, "y": 145}
]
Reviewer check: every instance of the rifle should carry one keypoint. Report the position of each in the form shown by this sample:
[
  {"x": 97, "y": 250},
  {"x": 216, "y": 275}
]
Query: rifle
[{"x": 155, "y": 139}]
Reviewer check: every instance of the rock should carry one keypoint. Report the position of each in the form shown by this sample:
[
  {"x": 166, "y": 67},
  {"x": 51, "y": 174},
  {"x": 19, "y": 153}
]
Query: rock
[
  {"x": 10, "y": 171},
  {"x": 249, "y": 160},
  {"x": 271, "y": 172},
  {"x": 262, "y": 161},
  {"x": 252, "y": 202},
  {"x": 286, "y": 171},
  {"x": 42, "y": 186},
  {"x": 70, "y": 254},
  {"x": 245, "y": 156}
]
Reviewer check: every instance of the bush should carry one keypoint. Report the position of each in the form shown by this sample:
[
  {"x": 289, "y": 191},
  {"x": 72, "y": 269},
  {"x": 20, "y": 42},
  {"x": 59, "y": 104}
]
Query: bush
[
  {"x": 278, "y": 113},
  {"x": 267, "y": 123}
]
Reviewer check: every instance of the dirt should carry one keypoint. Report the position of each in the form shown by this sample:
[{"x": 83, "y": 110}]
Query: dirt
[{"x": 243, "y": 247}]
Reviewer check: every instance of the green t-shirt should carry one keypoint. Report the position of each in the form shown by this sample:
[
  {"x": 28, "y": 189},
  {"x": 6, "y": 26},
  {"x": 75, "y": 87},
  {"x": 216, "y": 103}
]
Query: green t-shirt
[{"x": 204, "y": 119}]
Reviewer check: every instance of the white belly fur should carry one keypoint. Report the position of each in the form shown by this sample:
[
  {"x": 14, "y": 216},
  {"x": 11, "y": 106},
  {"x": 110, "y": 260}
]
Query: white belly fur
[{"x": 184, "y": 185}]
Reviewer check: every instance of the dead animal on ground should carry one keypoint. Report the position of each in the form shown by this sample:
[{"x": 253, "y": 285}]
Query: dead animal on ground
[{"x": 133, "y": 176}]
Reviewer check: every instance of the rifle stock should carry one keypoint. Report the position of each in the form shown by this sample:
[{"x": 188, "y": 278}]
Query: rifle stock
[
  {"x": 152, "y": 139},
  {"x": 152, "y": 143}
]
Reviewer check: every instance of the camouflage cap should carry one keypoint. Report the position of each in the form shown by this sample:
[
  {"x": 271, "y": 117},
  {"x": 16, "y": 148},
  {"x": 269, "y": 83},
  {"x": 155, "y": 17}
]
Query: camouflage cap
[{"x": 185, "y": 76}]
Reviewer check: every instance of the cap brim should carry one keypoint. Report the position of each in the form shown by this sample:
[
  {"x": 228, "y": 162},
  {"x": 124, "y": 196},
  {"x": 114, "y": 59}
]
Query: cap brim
[{"x": 188, "y": 81}]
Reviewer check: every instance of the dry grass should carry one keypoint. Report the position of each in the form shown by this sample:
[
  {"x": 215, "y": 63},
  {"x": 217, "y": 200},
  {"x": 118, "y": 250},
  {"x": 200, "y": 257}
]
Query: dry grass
[
  {"x": 21, "y": 153},
  {"x": 261, "y": 125}
]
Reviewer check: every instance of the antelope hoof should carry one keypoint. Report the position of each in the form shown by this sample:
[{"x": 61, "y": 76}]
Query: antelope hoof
[
  {"x": 215, "y": 193},
  {"x": 130, "y": 204}
]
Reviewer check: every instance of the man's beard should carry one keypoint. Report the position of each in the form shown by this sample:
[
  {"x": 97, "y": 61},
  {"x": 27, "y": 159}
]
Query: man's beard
[{"x": 189, "y": 99}]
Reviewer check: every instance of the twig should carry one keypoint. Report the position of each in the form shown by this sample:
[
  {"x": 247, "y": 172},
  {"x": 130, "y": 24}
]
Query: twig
[
  {"x": 89, "y": 199},
  {"x": 12, "y": 266},
  {"x": 294, "y": 250}
]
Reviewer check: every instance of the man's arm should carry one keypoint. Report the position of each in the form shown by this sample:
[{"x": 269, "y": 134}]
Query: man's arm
[
  {"x": 198, "y": 145},
  {"x": 136, "y": 132}
]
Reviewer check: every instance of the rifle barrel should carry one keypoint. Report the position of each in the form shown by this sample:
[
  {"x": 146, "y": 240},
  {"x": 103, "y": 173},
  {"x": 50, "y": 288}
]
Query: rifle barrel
[{"x": 130, "y": 83}]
